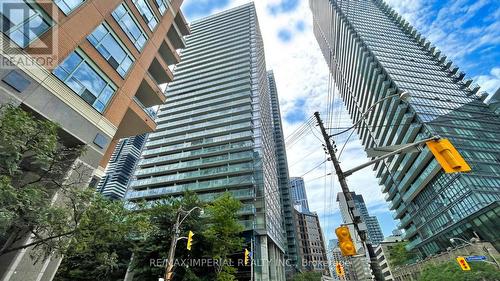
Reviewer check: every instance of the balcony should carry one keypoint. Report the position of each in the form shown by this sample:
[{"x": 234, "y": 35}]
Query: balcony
[
  {"x": 149, "y": 94},
  {"x": 160, "y": 71},
  {"x": 175, "y": 36},
  {"x": 182, "y": 24},
  {"x": 137, "y": 120},
  {"x": 168, "y": 53}
]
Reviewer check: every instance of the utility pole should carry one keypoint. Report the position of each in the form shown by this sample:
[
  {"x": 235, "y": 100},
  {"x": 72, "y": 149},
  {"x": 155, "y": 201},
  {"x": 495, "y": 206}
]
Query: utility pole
[
  {"x": 355, "y": 215},
  {"x": 171, "y": 252},
  {"x": 169, "y": 269}
]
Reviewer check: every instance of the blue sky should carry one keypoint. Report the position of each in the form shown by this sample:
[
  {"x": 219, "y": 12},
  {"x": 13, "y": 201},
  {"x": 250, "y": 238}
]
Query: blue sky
[{"x": 467, "y": 31}]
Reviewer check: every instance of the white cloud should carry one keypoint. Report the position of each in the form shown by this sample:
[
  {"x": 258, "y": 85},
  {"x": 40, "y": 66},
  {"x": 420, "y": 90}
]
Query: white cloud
[{"x": 491, "y": 82}]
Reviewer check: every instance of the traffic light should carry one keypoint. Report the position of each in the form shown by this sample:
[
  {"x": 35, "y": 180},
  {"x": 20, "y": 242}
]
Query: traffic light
[
  {"x": 448, "y": 156},
  {"x": 247, "y": 257},
  {"x": 190, "y": 240},
  {"x": 340, "y": 270},
  {"x": 463, "y": 263},
  {"x": 345, "y": 241}
]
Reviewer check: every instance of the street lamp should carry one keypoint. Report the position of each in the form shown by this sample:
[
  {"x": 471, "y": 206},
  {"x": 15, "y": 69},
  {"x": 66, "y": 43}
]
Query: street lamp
[
  {"x": 171, "y": 254},
  {"x": 404, "y": 96},
  {"x": 475, "y": 240}
]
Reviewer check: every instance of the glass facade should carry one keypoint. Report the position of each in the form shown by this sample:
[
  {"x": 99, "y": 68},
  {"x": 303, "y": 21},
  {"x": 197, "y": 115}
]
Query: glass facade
[
  {"x": 372, "y": 53},
  {"x": 375, "y": 235},
  {"x": 121, "y": 167},
  {"x": 23, "y": 21},
  {"x": 146, "y": 13},
  {"x": 162, "y": 6},
  {"x": 299, "y": 195},
  {"x": 289, "y": 224},
  {"x": 130, "y": 26},
  {"x": 79, "y": 73},
  {"x": 216, "y": 134},
  {"x": 110, "y": 47}
]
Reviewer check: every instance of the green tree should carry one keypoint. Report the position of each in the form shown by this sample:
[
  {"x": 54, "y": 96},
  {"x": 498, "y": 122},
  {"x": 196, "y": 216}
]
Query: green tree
[
  {"x": 43, "y": 193},
  {"x": 398, "y": 255},
  {"x": 150, "y": 255},
  {"x": 223, "y": 232},
  {"x": 102, "y": 246},
  {"x": 480, "y": 271},
  {"x": 33, "y": 169},
  {"x": 217, "y": 236},
  {"x": 308, "y": 276}
]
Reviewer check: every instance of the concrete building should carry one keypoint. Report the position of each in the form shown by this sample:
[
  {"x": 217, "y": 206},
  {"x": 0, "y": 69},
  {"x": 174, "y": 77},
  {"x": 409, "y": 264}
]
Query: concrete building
[
  {"x": 299, "y": 195},
  {"x": 311, "y": 244},
  {"x": 121, "y": 167},
  {"x": 372, "y": 53},
  {"x": 93, "y": 67},
  {"x": 374, "y": 231},
  {"x": 291, "y": 253},
  {"x": 215, "y": 134},
  {"x": 382, "y": 252}
]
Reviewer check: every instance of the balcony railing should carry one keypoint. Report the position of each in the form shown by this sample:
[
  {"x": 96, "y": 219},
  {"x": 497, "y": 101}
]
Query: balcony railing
[{"x": 151, "y": 111}]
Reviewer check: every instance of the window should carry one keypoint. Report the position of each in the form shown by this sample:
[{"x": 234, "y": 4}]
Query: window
[
  {"x": 129, "y": 25},
  {"x": 146, "y": 13},
  {"x": 16, "y": 80},
  {"x": 111, "y": 49},
  {"x": 79, "y": 73},
  {"x": 23, "y": 22},
  {"x": 162, "y": 6},
  {"x": 67, "y": 6}
]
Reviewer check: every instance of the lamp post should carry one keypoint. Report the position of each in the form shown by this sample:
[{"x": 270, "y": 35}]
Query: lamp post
[
  {"x": 475, "y": 240},
  {"x": 169, "y": 269},
  {"x": 404, "y": 96}
]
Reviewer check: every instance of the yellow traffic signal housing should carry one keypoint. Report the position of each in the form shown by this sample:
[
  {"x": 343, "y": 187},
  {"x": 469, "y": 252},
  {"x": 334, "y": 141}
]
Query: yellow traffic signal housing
[
  {"x": 190, "y": 240},
  {"x": 346, "y": 245},
  {"x": 463, "y": 263},
  {"x": 339, "y": 269},
  {"x": 247, "y": 257},
  {"x": 448, "y": 156}
]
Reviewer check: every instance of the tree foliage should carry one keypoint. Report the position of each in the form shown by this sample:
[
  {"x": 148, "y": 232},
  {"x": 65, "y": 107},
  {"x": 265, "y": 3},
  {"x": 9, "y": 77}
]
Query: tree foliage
[
  {"x": 36, "y": 168},
  {"x": 480, "y": 271},
  {"x": 398, "y": 255},
  {"x": 217, "y": 236},
  {"x": 44, "y": 194},
  {"x": 308, "y": 276}
]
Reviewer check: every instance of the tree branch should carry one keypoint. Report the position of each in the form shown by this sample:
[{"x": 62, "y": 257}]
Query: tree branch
[{"x": 38, "y": 242}]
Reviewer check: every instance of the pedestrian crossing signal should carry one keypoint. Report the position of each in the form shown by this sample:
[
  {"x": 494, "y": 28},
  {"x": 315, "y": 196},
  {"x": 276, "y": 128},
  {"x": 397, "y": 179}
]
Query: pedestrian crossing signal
[
  {"x": 463, "y": 263},
  {"x": 340, "y": 270}
]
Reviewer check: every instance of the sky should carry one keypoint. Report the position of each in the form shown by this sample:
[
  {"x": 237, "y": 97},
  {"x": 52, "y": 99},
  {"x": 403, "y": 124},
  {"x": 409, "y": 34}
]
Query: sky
[{"x": 467, "y": 31}]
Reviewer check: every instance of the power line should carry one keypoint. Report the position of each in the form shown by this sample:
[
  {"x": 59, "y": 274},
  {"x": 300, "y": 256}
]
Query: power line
[{"x": 313, "y": 168}]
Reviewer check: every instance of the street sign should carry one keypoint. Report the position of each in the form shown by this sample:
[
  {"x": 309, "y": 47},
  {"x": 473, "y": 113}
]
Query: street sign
[{"x": 476, "y": 258}]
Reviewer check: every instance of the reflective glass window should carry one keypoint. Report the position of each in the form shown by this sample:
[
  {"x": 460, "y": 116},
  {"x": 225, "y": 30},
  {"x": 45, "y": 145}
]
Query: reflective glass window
[
  {"x": 111, "y": 49},
  {"x": 146, "y": 13},
  {"x": 130, "y": 26},
  {"x": 67, "y": 6},
  {"x": 79, "y": 73},
  {"x": 162, "y": 6}
]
